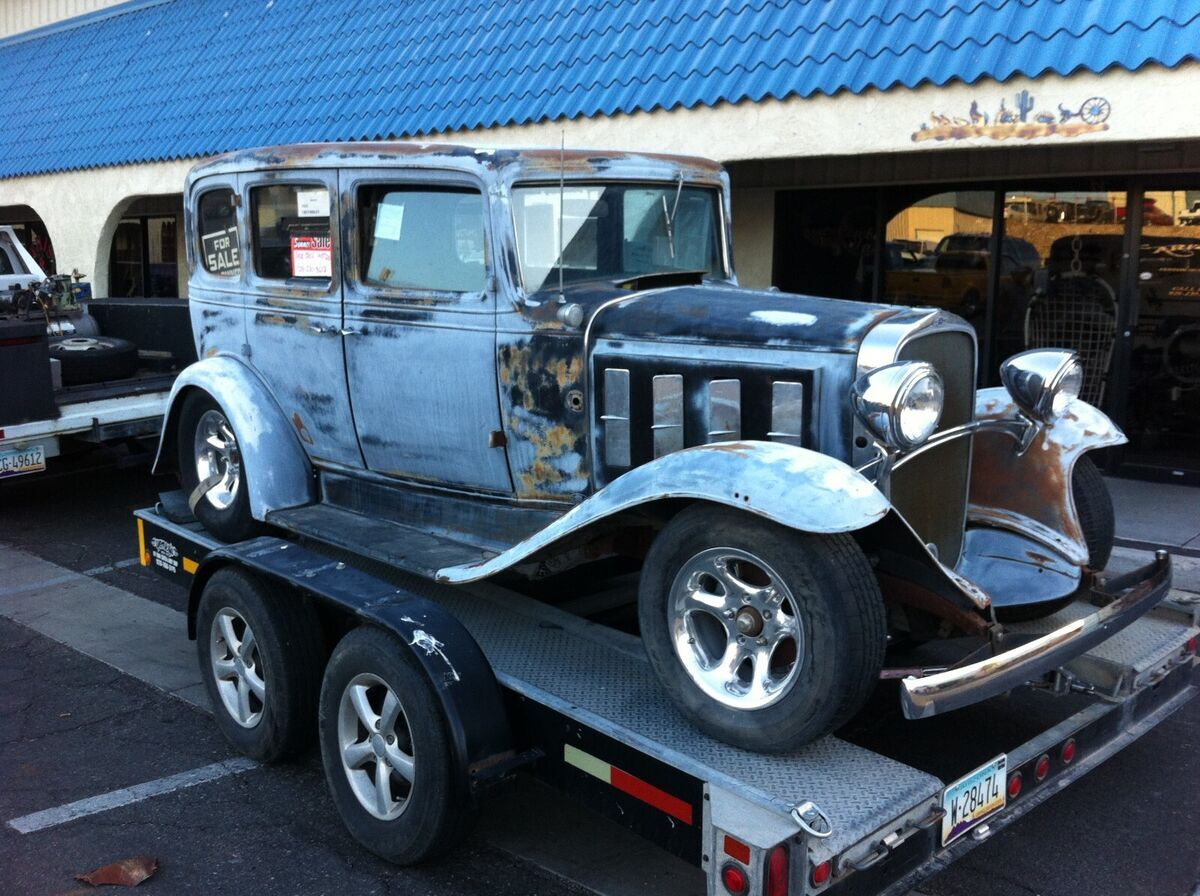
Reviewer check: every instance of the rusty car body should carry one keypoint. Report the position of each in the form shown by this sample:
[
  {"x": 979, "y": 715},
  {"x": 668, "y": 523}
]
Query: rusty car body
[{"x": 579, "y": 394}]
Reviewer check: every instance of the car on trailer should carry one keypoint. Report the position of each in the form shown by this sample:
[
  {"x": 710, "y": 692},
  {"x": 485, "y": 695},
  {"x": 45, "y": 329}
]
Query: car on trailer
[{"x": 431, "y": 375}]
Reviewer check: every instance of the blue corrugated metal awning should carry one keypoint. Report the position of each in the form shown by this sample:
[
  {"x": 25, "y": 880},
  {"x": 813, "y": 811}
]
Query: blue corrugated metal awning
[{"x": 183, "y": 78}]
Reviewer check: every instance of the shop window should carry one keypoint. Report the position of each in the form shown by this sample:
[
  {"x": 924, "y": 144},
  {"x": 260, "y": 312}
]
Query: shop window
[
  {"x": 1163, "y": 420},
  {"x": 220, "y": 248},
  {"x": 143, "y": 261},
  {"x": 936, "y": 253},
  {"x": 290, "y": 231},
  {"x": 1071, "y": 301},
  {"x": 825, "y": 242},
  {"x": 421, "y": 239}
]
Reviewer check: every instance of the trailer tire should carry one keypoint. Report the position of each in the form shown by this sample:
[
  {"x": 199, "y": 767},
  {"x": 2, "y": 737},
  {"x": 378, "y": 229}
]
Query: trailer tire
[
  {"x": 94, "y": 359},
  {"x": 380, "y": 720},
  {"x": 225, "y": 509},
  {"x": 284, "y": 660},
  {"x": 768, "y": 678}
]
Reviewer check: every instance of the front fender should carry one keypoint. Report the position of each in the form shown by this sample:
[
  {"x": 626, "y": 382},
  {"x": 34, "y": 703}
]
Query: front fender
[
  {"x": 1030, "y": 493},
  {"x": 795, "y": 487},
  {"x": 277, "y": 469}
]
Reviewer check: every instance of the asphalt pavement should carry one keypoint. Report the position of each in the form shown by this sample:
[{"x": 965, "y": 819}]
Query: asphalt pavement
[{"x": 95, "y": 750}]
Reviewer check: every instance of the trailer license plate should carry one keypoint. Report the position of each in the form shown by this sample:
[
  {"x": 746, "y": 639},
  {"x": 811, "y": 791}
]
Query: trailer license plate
[
  {"x": 973, "y": 798},
  {"x": 31, "y": 459}
]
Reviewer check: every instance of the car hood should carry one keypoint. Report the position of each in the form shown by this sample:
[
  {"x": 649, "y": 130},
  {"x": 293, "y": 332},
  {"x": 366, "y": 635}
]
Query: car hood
[{"x": 733, "y": 315}]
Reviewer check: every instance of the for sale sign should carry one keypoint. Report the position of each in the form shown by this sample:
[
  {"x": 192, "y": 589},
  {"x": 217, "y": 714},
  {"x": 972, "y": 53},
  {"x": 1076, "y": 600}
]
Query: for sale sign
[
  {"x": 312, "y": 256},
  {"x": 221, "y": 252}
]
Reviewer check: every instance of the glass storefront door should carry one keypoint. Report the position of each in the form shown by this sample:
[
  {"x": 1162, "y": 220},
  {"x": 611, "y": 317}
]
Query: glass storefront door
[{"x": 1162, "y": 417}]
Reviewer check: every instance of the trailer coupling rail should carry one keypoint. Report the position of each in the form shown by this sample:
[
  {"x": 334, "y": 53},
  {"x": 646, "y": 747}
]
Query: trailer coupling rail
[{"x": 943, "y": 691}]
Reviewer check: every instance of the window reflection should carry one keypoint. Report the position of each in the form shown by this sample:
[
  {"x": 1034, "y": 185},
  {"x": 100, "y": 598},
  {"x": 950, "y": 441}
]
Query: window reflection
[
  {"x": 1071, "y": 301},
  {"x": 1164, "y": 400}
]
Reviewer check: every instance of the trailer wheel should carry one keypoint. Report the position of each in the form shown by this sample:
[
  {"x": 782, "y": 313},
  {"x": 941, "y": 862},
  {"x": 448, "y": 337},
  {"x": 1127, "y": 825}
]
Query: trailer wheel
[
  {"x": 387, "y": 757},
  {"x": 208, "y": 448},
  {"x": 261, "y": 659},
  {"x": 764, "y": 637}
]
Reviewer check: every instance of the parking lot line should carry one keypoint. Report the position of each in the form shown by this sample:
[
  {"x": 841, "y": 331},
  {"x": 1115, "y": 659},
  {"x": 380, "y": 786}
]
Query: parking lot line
[{"x": 48, "y": 818}]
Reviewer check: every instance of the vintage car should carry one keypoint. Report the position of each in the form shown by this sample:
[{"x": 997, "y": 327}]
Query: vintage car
[{"x": 465, "y": 362}]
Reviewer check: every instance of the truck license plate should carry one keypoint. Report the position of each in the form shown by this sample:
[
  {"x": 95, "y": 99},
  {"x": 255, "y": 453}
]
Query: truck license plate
[
  {"x": 30, "y": 459},
  {"x": 973, "y": 798}
]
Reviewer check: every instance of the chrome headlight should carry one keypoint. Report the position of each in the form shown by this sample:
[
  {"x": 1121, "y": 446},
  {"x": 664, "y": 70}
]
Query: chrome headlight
[
  {"x": 1043, "y": 382},
  {"x": 900, "y": 403}
]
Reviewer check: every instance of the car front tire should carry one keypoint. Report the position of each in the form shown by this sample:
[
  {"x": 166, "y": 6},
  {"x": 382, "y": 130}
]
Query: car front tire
[{"x": 764, "y": 637}]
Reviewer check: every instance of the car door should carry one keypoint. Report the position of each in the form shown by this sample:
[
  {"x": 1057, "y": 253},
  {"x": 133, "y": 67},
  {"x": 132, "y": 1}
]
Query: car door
[
  {"x": 294, "y": 308},
  {"x": 421, "y": 362}
]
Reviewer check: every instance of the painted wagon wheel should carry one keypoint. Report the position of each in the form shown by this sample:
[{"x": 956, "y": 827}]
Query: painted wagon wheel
[{"x": 1095, "y": 110}]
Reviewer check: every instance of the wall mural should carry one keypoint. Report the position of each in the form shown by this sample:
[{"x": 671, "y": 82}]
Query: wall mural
[{"x": 1020, "y": 121}]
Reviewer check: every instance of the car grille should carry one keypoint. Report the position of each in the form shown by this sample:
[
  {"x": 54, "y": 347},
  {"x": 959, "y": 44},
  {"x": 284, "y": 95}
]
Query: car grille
[{"x": 931, "y": 489}]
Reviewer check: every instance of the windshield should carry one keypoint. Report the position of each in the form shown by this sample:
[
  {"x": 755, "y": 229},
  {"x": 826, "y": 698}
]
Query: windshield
[{"x": 615, "y": 231}]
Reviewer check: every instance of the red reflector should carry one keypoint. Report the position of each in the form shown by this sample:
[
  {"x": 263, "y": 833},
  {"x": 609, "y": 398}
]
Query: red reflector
[
  {"x": 777, "y": 872},
  {"x": 1068, "y": 752},
  {"x": 1189, "y": 647},
  {"x": 736, "y": 849},
  {"x": 821, "y": 873},
  {"x": 734, "y": 879},
  {"x": 1015, "y": 780},
  {"x": 1042, "y": 768}
]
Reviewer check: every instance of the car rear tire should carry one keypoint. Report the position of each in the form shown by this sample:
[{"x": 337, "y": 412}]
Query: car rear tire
[
  {"x": 261, "y": 658},
  {"x": 766, "y": 638},
  {"x": 94, "y": 359},
  {"x": 1093, "y": 503},
  {"x": 388, "y": 758},
  {"x": 208, "y": 446}
]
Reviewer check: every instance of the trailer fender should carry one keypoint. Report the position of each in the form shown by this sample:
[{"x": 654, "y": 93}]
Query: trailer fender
[
  {"x": 470, "y": 698},
  {"x": 795, "y": 487},
  {"x": 1030, "y": 492},
  {"x": 277, "y": 469}
]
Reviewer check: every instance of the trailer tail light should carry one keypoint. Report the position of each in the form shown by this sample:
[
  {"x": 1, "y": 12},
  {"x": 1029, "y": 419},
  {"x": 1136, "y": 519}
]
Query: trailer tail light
[
  {"x": 1190, "y": 647},
  {"x": 734, "y": 879},
  {"x": 1068, "y": 751},
  {"x": 1015, "y": 780},
  {"x": 821, "y": 873},
  {"x": 777, "y": 872},
  {"x": 1042, "y": 768},
  {"x": 737, "y": 850}
]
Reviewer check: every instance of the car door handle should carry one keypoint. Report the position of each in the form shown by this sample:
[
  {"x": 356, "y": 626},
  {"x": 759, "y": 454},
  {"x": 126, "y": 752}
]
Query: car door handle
[
  {"x": 323, "y": 329},
  {"x": 350, "y": 331}
]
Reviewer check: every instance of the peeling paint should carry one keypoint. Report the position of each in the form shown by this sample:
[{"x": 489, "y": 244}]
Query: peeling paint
[{"x": 431, "y": 645}]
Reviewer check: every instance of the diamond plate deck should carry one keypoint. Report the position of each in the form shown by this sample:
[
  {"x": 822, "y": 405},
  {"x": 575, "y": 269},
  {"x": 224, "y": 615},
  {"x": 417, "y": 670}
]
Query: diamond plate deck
[{"x": 601, "y": 678}]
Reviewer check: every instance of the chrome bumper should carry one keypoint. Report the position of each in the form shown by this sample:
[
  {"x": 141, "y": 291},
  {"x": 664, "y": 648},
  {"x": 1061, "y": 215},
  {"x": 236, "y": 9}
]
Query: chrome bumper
[{"x": 1129, "y": 597}]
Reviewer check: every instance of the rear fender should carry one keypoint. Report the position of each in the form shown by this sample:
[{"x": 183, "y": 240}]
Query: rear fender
[
  {"x": 277, "y": 468},
  {"x": 795, "y": 487},
  {"x": 1030, "y": 492}
]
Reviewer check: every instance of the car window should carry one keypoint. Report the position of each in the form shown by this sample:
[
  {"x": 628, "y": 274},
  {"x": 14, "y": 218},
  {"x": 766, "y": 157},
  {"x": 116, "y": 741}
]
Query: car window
[
  {"x": 220, "y": 252},
  {"x": 290, "y": 231},
  {"x": 421, "y": 238}
]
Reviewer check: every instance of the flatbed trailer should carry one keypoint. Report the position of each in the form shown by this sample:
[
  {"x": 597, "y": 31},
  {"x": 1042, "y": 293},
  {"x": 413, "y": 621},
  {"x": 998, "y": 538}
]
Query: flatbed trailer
[{"x": 873, "y": 810}]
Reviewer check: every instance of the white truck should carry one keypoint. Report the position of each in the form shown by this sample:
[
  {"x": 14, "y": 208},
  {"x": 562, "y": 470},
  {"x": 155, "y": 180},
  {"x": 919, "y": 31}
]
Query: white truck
[{"x": 77, "y": 372}]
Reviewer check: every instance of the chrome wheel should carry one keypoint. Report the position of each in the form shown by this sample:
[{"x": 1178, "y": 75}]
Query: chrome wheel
[
  {"x": 376, "y": 747},
  {"x": 735, "y": 628},
  {"x": 216, "y": 451},
  {"x": 237, "y": 667}
]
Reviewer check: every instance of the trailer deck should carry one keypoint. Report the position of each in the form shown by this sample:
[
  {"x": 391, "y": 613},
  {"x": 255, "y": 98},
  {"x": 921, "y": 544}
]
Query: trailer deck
[{"x": 591, "y": 719}]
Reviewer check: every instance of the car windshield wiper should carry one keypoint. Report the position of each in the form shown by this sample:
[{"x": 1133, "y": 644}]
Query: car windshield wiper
[{"x": 670, "y": 215}]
